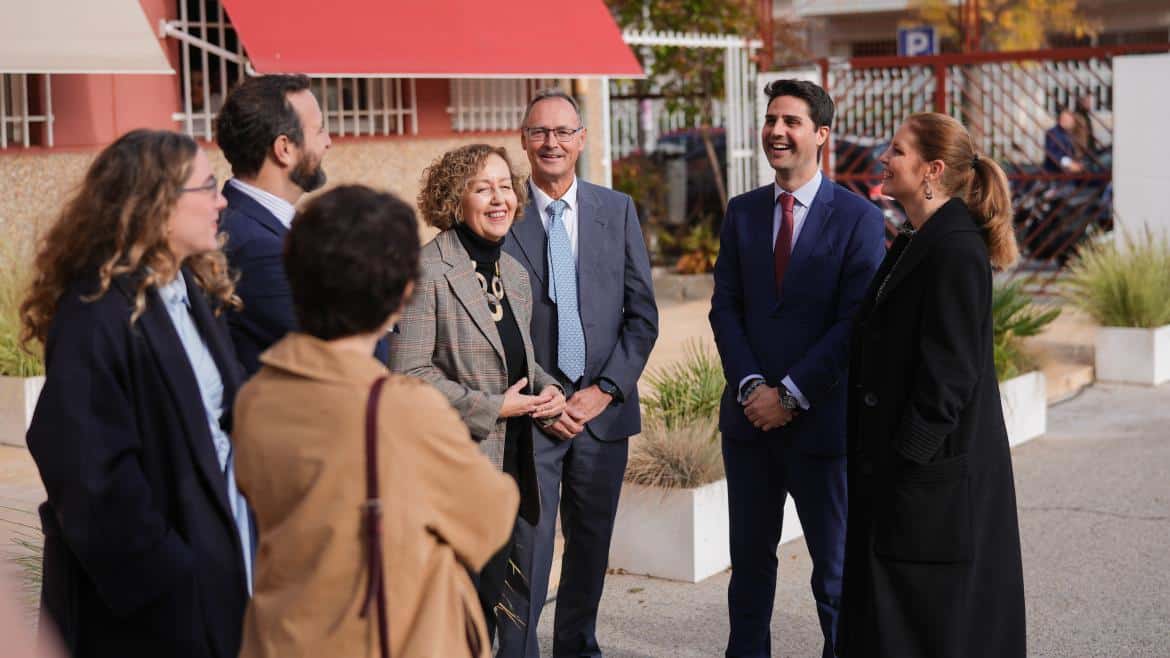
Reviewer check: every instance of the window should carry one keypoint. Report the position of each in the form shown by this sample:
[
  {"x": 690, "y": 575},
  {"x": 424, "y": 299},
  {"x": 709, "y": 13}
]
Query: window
[
  {"x": 26, "y": 110},
  {"x": 485, "y": 105},
  {"x": 213, "y": 61}
]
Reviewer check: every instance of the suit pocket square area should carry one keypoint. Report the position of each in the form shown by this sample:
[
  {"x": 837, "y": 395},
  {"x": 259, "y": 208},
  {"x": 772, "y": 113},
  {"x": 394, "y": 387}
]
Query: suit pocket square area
[{"x": 927, "y": 515}]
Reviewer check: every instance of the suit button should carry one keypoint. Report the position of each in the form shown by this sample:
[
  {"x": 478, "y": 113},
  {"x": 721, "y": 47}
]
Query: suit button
[{"x": 870, "y": 400}]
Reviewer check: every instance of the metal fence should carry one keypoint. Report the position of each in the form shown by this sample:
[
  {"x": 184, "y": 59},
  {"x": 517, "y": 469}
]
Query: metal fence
[{"x": 1010, "y": 103}]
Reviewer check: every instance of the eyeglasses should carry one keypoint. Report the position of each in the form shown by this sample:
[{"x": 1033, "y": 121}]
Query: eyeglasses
[
  {"x": 211, "y": 187},
  {"x": 563, "y": 133}
]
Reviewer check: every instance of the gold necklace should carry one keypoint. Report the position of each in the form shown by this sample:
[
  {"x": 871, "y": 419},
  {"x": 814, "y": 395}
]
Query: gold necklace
[{"x": 495, "y": 297}]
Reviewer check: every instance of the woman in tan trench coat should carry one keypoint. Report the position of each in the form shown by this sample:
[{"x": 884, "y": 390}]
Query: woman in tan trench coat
[{"x": 351, "y": 258}]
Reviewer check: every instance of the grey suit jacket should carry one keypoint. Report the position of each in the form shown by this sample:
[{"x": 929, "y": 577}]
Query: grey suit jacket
[
  {"x": 447, "y": 337},
  {"x": 615, "y": 293}
]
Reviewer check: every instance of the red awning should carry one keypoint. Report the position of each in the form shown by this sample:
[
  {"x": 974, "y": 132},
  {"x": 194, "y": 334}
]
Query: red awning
[{"x": 433, "y": 38}]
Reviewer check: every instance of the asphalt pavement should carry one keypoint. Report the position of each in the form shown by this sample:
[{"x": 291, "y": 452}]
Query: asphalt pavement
[{"x": 1094, "y": 509}]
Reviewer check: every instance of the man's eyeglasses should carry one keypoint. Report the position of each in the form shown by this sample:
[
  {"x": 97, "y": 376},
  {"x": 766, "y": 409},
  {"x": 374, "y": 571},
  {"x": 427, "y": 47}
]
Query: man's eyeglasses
[
  {"x": 211, "y": 187},
  {"x": 540, "y": 133}
]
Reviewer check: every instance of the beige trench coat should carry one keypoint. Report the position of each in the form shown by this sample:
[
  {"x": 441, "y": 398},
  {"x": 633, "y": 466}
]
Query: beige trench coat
[{"x": 300, "y": 460}]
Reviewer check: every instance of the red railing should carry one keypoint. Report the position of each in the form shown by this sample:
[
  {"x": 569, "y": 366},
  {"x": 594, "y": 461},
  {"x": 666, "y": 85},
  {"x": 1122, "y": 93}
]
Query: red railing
[{"x": 1062, "y": 188}]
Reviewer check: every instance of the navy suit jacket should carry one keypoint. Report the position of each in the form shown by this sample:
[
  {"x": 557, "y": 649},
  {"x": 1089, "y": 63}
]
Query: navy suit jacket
[
  {"x": 801, "y": 331},
  {"x": 615, "y": 295},
  {"x": 142, "y": 556},
  {"x": 255, "y": 250}
]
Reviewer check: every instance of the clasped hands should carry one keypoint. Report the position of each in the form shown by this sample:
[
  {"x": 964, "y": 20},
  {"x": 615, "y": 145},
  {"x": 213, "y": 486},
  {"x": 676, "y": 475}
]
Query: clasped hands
[
  {"x": 550, "y": 403},
  {"x": 585, "y": 405},
  {"x": 764, "y": 410}
]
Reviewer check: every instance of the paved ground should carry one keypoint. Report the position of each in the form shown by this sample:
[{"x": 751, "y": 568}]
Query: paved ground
[{"x": 1094, "y": 501}]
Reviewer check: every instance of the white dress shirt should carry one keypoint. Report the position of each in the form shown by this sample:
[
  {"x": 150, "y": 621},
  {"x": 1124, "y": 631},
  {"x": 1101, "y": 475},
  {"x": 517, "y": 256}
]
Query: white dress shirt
[
  {"x": 281, "y": 209},
  {"x": 805, "y": 194},
  {"x": 541, "y": 200}
]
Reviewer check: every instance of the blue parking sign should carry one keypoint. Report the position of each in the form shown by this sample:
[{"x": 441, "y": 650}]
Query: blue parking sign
[{"x": 915, "y": 41}]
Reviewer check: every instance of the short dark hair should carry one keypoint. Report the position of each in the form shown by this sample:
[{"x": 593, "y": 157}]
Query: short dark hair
[
  {"x": 255, "y": 113},
  {"x": 820, "y": 106},
  {"x": 349, "y": 257},
  {"x": 546, "y": 94}
]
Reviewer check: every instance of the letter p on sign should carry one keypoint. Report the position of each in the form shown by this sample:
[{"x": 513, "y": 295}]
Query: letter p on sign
[{"x": 917, "y": 41}]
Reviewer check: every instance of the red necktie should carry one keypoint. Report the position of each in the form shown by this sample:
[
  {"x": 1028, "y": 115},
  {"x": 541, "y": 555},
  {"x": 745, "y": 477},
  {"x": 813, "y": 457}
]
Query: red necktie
[{"x": 783, "y": 247}]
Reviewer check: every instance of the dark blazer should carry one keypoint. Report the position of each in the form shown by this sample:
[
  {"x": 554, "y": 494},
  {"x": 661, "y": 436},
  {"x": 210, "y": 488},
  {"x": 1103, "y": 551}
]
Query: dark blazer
[
  {"x": 932, "y": 557},
  {"x": 446, "y": 337},
  {"x": 803, "y": 330},
  {"x": 1058, "y": 144},
  {"x": 142, "y": 556},
  {"x": 255, "y": 249},
  {"x": 615, "y": 297}
]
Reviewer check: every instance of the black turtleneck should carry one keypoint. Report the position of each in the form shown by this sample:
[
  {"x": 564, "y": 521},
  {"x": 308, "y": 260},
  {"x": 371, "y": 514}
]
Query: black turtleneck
[{"x": 486, "y": 254}]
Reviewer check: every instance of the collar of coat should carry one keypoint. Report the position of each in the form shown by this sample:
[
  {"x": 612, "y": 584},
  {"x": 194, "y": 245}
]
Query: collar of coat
[
  {"x": 952, "y": 217},
  {"x": 307, "y": 356}
]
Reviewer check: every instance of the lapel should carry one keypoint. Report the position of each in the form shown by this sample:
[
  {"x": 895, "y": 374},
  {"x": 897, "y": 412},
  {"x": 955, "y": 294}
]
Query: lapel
[
  {"x": 246, "y": 205},
  {"x": 533, "y": 242},
  {"x": 184, "y": 390},
  {"x": 512, "y": 270},
  {"x": 461, "y": 278},
  {"x": 221, "y": 352},
  {"x": 760, "y": 245},
  {"x": 591, "y": 251},
  {"x": 810, "y": 232},
  {"x": 952, "y": 217}
]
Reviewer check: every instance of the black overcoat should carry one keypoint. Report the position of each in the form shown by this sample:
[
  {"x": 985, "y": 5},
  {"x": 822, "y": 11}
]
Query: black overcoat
[
  {"x": 141, "y": 556},
  {"x": 932, "y": 549}
]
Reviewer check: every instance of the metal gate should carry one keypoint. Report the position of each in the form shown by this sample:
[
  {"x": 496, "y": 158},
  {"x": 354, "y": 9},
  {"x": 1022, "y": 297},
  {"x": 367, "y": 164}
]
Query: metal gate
[
  {"x": 636, "y": 124},
  {"x": 1010, "y": 102}
]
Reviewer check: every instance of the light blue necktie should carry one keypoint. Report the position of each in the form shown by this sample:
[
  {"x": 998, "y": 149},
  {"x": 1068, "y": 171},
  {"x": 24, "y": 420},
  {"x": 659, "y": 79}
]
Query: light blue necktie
[{"x": 563, "y": 291}]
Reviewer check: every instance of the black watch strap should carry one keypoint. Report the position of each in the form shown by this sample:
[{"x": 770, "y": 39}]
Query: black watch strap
[{"x": 609, "y": 388}]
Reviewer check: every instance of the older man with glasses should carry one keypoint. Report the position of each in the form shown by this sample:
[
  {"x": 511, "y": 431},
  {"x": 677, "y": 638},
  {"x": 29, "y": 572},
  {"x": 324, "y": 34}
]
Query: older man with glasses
[{"x": 594, "y": 322}]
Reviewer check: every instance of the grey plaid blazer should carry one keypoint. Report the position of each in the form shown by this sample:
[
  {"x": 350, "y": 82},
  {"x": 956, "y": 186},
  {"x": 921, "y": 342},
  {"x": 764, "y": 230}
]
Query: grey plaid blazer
[{"x": 447, "y": 337}]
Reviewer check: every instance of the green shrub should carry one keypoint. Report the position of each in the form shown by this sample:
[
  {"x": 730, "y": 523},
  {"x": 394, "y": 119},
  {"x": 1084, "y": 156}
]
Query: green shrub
[
  {"x": 15, "y": 361},
  {"x": 1014, "y": 318},
  {"x": 1127, "y": 286},
  {"x": 684, "y": 457},
  {"x": 686, "y": 391}
]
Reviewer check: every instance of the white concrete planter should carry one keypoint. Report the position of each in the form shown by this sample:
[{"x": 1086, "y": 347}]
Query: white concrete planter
[
  {"x": 1133, "y": 355},
  {"x": 679, "y": 534},
  {"x": 1025, "y": 406},
  {"x": 18, "y": 399}
]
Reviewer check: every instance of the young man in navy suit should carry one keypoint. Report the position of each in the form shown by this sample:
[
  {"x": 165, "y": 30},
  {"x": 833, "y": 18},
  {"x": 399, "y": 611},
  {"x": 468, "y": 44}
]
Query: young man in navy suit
[
  {"x": 795, "y": 260},
  {"x": 272, "y": 132}
]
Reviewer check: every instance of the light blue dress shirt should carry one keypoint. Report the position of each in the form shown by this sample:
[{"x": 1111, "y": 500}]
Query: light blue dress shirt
[{"x": 174, "y": 296}]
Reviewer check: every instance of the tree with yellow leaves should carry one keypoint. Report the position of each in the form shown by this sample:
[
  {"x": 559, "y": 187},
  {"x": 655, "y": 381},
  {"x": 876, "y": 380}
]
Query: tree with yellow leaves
[{"x": 1005, "y": 24}]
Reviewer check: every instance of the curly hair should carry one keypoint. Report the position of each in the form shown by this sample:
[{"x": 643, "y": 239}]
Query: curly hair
[
  {"x": 443, "y": 183},
  {"x": 349, "y": 257},
  {"x": 115, "y": 225}
]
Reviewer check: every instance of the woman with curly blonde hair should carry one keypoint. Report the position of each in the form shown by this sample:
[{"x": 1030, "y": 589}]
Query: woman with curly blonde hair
[
  {"x": 466, "y": 331},
  {"x": 148, "y": 542}
]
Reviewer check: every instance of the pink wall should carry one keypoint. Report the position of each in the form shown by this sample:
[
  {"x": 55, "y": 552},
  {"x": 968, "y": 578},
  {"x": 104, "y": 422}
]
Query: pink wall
[{"x": 93, "y": 110}]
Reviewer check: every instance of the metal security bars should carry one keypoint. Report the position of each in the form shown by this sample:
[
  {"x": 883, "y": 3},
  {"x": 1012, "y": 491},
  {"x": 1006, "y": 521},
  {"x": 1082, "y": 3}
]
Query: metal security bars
[
  {"x": 1010, "y": 103},
  {"x": 214, "y": 60},
  {"x": 26, "y": 101},
  {"x": 491, "y": 104}
]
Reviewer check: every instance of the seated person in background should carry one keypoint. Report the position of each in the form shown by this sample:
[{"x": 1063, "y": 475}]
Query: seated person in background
[
  {"x": 301, "y": 426},
  {"x": 1061, "y": 153}
]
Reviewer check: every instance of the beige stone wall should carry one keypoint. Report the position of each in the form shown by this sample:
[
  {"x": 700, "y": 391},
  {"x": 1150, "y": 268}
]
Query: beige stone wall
[{"x": 34, "y": 184}]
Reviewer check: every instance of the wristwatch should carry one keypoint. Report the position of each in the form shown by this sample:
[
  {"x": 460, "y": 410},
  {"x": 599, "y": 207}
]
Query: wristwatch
[
  {"x": 609, "y": 388},
  {"x": 787, "y": 399}
]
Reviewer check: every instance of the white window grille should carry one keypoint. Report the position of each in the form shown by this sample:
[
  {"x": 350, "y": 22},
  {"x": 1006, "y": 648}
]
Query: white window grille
[
  {"x": 18, "y": 98},
  {"x": 479, "y": 105},
  {"x": 213, "y": 61}
]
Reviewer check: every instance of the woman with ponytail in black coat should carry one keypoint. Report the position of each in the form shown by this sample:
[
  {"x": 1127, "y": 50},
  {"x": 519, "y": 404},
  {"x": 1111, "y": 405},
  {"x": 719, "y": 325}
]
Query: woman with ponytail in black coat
[{"x": 932, "y": 555}]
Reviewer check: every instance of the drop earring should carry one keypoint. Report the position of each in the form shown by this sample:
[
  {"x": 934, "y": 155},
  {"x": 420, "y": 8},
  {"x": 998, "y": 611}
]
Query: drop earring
[{"x": 929, "y": 191}]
